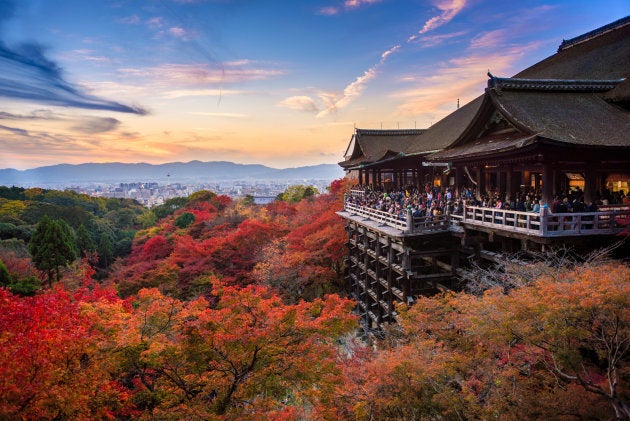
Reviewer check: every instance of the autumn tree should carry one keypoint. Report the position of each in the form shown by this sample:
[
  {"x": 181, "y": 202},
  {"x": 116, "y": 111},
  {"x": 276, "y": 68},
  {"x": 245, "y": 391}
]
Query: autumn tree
[
  {"x": 52, "y": 247},
  {"x": 246, "y": 355},
  {"x": 556, "y": 348},
  {"x": 51, "y": 366}
]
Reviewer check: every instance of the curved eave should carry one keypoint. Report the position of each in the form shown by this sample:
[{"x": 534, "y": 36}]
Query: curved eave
[{"x": 488, "y": 148}]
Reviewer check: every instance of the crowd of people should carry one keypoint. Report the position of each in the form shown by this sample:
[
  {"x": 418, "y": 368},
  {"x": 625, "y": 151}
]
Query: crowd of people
[{"x": 431, "y": 201}]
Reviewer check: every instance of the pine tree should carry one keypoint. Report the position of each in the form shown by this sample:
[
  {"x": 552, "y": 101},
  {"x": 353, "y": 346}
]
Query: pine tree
[{"x": 52, "y": 246}]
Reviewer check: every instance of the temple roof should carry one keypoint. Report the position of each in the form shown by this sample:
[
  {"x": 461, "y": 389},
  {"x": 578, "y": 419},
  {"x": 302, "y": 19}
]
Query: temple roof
[
  {"x": 372, "y": 145},
  {"x": 575, "y": 118},
  {"x": 558, "y": 85},
  {"x": 485, "y": 146},
  {"x": 601, "y": 54},
  {"x": 556, "y": 111},
  {"x": 446, "y": 131}
]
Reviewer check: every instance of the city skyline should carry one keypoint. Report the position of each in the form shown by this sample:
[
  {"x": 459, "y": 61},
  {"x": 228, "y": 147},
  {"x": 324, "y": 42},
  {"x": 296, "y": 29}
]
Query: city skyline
[{"x": 253, "y": 82}]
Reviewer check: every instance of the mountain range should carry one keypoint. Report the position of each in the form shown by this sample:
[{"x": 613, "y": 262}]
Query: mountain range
[{"x": 174, "y": 172}]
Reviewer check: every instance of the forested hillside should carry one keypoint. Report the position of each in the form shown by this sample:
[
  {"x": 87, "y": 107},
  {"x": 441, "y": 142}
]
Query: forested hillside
[{"x": 212, "y": 308}]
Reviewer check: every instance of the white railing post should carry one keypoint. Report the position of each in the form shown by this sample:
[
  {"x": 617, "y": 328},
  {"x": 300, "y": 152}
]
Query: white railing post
[
  {"x": 544, "y": 214},
  {"x": 409, "y": 220}
]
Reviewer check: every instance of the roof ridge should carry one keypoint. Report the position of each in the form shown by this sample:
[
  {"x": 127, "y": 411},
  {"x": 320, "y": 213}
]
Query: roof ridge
[
  {"x": 594, "y": 33},
  {"x": 572, "y": 85},
  {"x": 389, "y": 132}
]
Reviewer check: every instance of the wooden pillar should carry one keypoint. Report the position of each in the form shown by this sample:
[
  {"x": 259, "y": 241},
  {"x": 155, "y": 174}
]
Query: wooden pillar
[
  {"x": 481, "y": 181},
  {"x": 547, "y": 183},
  {"x": 360, "y": 177},
  {"x": 508, "y": 183},
  {"x": 526, "y": 178},
  {"x": 374, "y": 178},
  {"x": 421, "y": 177},
  {"x": 590, "y": 185},
  {"x": 459, "y": 180}
]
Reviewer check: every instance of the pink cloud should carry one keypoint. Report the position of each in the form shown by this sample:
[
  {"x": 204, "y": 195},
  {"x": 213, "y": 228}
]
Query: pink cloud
[
  {"x": 182, "y": 33},
  {"x": 200, "y": 74},
  {"x": 300, "y": 103},
  {"x": 354, "y": 89},
  {"x": 489, "y": 39},
  {"x": 449, "y": 9},
  {"x": 434, "y": 40},
  {"x": 347, "y": 5},
  {"x": 328, "y": 11}
]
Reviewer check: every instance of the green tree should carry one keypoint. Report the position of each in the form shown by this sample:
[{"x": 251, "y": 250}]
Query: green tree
[
  {"x": 52, "y": 246},
  {"x": 147, "y": 219},
  {"x": 248, "y": 200},
  {"x": 105, "y": 251},
  {"x": 184, "y": 220},
  {"x": 296, "y": 193},
  {"x": 170, "y": 206},
  {"x": 85, "y": 243},
  {"x": 5, "y": 277}
]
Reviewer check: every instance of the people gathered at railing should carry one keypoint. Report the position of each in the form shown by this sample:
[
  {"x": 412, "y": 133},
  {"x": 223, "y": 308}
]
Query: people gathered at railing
[{"x": 430, "y": 201}]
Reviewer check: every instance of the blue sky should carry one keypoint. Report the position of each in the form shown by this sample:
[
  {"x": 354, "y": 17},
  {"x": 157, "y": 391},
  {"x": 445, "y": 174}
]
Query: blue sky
[{"x": 281, "y": 83}]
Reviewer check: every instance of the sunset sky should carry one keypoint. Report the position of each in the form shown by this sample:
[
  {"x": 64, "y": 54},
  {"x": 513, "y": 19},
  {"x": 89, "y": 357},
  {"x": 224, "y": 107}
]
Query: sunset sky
[{"x": 281, "y": 83}]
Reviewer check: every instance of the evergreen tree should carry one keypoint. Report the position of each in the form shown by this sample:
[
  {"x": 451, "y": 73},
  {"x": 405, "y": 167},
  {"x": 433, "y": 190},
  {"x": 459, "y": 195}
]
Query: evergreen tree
[
  {"x": 52, "y": 246},
  {"x": 184, "y": 220},
  {"x": 85, "y": 243},
  {"x": 105, "y": 251},
  {"x": 5, "y": 277}
]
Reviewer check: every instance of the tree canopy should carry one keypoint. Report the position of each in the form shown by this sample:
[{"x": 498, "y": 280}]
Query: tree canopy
[{"x": 52, "y": 247}]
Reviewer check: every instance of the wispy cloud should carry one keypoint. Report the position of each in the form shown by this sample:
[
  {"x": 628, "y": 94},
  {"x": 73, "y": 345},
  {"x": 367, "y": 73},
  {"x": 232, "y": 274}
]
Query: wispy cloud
[
  {"x": 34, "y": 115},
  {"x": 448, "y": 8},
  {"x": 131, "y": 20},
  {"x": 182, "y": 34},
  {"x": 94, "y": 125},
  {"x": 488, "y": 39},
  {"x": 31, "y": 76},
  {"x": 200, "y": 74},
  {"x": 351, "y": 4},
  {"x": 300, "y": 103},
  {"x": 14, "y": 130},
  {"x": 201, "y": 92},
  {"x": 156, "y": 22},
  {"x": 428, "y": 41},
  {"x": 354, "y": 89},
  {"x": 346, "y": 5},
  {"x": 328, "y": 102}
]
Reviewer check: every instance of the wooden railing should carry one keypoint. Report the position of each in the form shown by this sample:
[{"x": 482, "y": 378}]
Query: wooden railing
[
  {"x": 547, "y": 224},
  {"x": 544, "y": 224}
]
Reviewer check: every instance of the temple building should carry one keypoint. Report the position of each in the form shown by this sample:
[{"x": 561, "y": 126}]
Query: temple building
[{"x": 558, "y": 128}]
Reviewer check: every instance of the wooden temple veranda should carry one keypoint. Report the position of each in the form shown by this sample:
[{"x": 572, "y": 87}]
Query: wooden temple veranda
[{"x": 563, "y": 123}]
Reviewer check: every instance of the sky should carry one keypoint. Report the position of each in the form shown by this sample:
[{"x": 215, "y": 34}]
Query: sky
[{"x": 279, "y": 83}]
